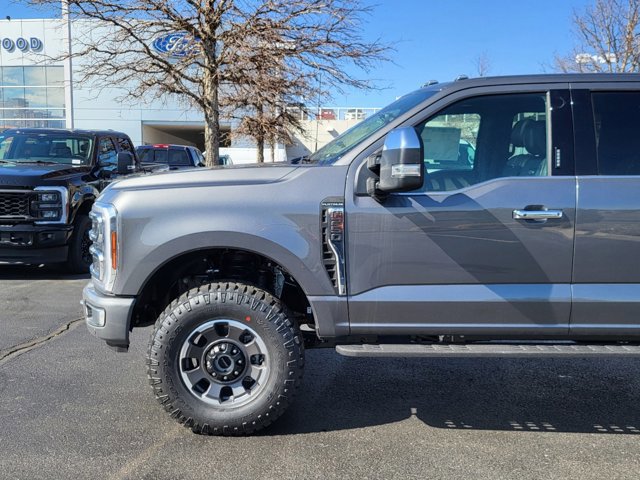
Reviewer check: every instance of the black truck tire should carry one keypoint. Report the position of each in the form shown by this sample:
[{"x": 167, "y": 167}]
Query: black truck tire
[
  {"x": 79, "y": 258},
  {"x": 225, "y": 359}
]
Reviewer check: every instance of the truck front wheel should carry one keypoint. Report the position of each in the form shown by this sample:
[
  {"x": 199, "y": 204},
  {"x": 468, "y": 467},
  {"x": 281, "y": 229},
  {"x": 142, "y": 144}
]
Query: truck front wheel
[
  {"x": 225, "y": 359},
  {"x": 79, "y": 258}
]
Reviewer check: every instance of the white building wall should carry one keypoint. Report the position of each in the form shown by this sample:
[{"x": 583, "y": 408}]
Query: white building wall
[{"x": 50, "y": 32}]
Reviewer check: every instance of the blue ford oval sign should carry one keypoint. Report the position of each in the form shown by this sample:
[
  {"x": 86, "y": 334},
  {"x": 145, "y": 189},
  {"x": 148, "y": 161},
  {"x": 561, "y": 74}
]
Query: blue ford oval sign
[{"x": 177, "y": 45}]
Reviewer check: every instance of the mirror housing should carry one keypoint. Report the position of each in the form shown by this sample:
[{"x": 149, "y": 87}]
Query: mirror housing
[
  {"x": 126, "y": 163},
  {"x": 400, "y": 166}
]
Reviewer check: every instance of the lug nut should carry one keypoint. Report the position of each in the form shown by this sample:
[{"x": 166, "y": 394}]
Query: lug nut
[{"x": 224, "y": 378}]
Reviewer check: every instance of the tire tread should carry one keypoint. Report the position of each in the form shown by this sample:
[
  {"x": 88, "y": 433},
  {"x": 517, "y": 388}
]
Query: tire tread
[{"x": 227, "y": 292}]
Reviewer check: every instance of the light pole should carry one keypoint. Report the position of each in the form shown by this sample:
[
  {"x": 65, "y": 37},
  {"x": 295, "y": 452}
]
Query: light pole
[
  {"x": 315, "y": 149},
  {"x": 68, "y": 67}
]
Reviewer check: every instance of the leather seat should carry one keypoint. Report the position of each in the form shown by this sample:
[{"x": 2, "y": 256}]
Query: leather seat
[{"x": 532, "y": 135}]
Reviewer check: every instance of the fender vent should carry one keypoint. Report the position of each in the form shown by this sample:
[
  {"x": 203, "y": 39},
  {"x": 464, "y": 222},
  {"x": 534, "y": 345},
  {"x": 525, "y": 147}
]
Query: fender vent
[{"x": 333, "y": 246}]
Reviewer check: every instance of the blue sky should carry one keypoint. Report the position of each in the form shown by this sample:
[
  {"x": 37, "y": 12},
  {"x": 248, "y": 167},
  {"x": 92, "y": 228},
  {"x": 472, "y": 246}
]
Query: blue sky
[{"x": 440, "y": 39}]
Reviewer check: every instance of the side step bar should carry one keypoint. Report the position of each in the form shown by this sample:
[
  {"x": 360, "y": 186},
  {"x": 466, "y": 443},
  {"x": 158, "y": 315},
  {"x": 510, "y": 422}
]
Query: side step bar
[{"x": 489, "y": 350}]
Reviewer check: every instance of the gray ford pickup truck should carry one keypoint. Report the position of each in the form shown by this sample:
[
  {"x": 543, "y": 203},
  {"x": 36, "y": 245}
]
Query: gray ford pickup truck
[{"x": 482, "y": 217}]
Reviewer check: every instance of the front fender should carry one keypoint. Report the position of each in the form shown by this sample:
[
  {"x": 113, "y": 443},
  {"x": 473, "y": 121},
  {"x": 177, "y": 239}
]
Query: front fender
[{"x": 311, "y": 276}]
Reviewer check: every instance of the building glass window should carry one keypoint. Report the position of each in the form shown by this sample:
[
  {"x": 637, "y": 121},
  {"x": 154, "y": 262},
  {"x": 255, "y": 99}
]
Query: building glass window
[
  {"x": 33, "y": 94},
  {"x": 55, "y": 97},
  {"x": 55, "y": 76},
  {"x": 34, "y": 76},
  {"x": 12, "y": 76},
  {"x": 35, "y": 97}
]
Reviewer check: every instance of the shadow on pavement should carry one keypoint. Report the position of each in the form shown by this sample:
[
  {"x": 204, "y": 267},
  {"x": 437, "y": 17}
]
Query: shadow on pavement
[
  {"x": 35, "y": 272},
  {"x": 539, "y": 395}
]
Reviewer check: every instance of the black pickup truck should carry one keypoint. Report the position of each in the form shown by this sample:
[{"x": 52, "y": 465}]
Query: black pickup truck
[{"x": 49, "y": 179}]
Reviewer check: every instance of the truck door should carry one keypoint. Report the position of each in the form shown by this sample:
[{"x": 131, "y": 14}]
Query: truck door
[
  {"x": 606, "y": 279},
  {"x": 486, "y": 245}
]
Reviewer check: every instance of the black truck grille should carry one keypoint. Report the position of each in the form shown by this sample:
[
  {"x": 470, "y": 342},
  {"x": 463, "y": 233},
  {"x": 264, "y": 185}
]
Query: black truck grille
[{"x": 15, "y": 205}]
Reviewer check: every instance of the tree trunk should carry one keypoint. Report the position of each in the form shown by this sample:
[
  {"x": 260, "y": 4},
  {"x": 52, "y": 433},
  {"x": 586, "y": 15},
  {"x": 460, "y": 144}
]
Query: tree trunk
[
  {"x": 260, "y": 146},
  {"x": 260, "y": 136},
  {"x": 210, "y": 83},
  {"x": 212, "y": 139}
]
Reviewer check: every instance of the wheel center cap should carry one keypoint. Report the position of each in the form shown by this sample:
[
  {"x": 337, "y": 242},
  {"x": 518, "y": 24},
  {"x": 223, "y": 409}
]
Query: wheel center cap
[{"x": 225, "y": 362}]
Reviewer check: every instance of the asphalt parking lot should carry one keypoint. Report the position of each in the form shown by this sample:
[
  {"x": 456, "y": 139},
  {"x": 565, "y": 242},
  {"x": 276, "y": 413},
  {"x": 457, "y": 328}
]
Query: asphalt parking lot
[{"x": 72, "y": 408}]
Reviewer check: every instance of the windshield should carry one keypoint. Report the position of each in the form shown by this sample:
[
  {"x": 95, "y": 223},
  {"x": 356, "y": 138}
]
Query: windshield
[
  {"x": 47, "y": 148},
  {"x": 335, "y": 149}
]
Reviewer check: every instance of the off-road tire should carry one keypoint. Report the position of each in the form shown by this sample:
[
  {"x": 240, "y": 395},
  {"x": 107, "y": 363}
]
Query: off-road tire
[
  {"x": 77, "y": 258},
  {"x": 216, "y": 302}
]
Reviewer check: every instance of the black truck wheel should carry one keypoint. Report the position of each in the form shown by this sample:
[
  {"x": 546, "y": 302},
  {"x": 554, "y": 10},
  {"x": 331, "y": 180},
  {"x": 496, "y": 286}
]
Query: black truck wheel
[
  {"x": 79, "y": 258},
  {"x": 225, "y": 359}
]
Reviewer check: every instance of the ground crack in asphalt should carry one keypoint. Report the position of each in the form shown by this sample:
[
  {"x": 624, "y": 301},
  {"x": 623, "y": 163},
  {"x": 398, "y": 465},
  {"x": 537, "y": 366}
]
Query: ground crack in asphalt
[{"x": 18, "y": 350}]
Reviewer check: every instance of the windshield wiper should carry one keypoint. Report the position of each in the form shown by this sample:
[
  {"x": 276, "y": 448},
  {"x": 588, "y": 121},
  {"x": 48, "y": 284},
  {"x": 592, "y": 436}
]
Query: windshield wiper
[
  {"x": 7, "y": 161},
  {"x": 40, "y": 162}
]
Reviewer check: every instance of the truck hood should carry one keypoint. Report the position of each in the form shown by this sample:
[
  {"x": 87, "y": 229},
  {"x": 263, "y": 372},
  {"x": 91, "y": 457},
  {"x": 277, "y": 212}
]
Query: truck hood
[
  {"x": 32, "y": 175},
  {"x": 228, "y": 175}
]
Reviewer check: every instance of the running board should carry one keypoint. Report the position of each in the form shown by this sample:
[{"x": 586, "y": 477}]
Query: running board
[{"x": 489, "y": 350}]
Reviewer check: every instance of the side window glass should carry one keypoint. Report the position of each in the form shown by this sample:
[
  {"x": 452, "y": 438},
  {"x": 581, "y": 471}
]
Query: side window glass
[
  {"x": 617, "y": 122},
  {"x": 107, "y": 152},
  {"x": 450, "y": 142},
  {"x": 125, "y": 145},
  {"x": 483, "y": 138}
]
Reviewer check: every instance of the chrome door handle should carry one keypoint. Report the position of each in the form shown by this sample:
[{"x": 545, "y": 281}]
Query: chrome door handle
[{"x": 537, "y": 214}]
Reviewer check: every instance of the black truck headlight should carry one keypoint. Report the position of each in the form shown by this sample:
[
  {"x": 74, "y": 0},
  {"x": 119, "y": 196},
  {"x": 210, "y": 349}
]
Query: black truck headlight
[{"x": 50, "y": 205}]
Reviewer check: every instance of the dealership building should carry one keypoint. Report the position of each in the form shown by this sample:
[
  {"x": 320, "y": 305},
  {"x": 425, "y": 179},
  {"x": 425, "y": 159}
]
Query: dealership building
[{"x": 37, "y": 89}]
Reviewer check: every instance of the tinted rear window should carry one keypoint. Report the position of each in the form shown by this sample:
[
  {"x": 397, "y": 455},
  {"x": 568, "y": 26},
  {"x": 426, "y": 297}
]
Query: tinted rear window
[
  {"x": 178, "y": 157},
  {"x": 617, "y": 121}
]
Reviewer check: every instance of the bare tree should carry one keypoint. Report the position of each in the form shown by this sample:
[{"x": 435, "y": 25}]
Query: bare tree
[
  {"x": 483, "y": 64},
  {"x": 304, "y": 47},
  {"x": 217, "y": 54},
  {"x": 607, "y": 38}
]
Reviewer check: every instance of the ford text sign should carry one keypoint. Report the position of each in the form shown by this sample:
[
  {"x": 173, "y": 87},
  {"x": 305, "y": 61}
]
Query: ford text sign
[{"x": 176, "y": 45}]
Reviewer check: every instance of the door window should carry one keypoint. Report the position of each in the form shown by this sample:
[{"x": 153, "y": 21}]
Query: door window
[
  {"x": 125, "y": 145},
  {"x": 617, "y": 122},
  {"x": 107, "y": 155},
  {"x": 483, "y": 138}
]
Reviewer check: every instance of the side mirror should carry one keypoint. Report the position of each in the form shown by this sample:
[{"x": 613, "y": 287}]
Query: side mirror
[
  {"x": 400, "y": 166},
  {"x": 126, "y": 163}
]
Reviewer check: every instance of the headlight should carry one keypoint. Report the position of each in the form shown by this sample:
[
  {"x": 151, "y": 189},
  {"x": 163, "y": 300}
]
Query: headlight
[
  {"x": 105, "y": 248},
  {"x": 50, "y": 205}
]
